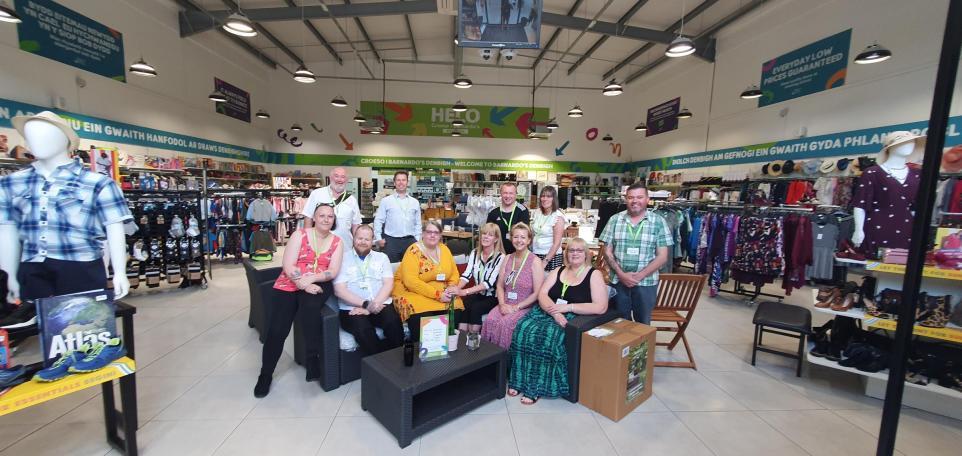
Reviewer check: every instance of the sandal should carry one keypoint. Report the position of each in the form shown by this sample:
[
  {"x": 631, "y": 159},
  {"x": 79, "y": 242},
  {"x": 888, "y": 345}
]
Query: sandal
[
  {"x": 513, "y": 392},
  {"x": 525, "y": 400},
  {"x": 826, "y": 296}
]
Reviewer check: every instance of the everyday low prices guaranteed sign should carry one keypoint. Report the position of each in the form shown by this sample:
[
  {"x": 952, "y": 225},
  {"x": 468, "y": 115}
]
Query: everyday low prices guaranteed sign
[
  {"x": 819, "y": 66},
  {"x": 480, "y": 121}
]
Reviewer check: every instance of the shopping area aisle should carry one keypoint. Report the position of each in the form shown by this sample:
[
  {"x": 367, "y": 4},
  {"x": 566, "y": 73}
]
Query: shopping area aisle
[{"x": 198, "y": 362}]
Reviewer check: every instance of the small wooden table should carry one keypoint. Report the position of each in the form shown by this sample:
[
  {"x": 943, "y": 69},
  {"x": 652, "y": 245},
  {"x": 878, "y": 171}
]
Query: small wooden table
[{"x": 457, "y": 234}]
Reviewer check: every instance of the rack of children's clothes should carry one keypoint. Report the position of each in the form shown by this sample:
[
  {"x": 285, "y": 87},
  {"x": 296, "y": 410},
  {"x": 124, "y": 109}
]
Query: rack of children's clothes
[
  {"x": 251, "y": 221},
  {"x": 165, "y": 238}
]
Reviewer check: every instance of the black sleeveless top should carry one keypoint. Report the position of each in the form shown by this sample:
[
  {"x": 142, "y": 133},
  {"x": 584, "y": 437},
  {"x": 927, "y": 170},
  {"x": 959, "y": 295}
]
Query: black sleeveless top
[{"x": 576, "y": 294}]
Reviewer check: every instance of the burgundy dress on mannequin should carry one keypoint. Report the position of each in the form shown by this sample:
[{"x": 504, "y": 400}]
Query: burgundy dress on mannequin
[{"x": 888, "y": 206}]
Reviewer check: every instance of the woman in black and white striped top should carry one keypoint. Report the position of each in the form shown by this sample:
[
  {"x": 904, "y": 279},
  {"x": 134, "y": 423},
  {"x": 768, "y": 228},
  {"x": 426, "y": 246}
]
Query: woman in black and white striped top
[{"x": 484, "y": 263}]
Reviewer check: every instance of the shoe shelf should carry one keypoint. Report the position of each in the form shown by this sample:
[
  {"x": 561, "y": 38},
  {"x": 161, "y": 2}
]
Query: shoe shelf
[
  {"x": 948, "y": 333},
  {"x": 32, "y": 393},
  {"x": 881, "y": 375},
  {"x": 850, "y": 261}
]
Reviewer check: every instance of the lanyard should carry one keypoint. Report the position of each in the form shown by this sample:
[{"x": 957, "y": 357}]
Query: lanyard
[
  {"x": 517, "y": 273},
  {"x": 364, "y": 264},
  {"x": 544, "y": 220},
  {"x": 425, "y": 250},
  {"x": 484, "y": 266},
  {"x": 634, "y": 234},
  {"x": 564, "y": 286},
  {"x": 312, "y": 234},
  {"x": 508, "y": 221},
  {"x": 340, "y": 199}
]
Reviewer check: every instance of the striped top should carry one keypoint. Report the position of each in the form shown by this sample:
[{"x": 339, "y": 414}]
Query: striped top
[{"x": 483, "y": 271}]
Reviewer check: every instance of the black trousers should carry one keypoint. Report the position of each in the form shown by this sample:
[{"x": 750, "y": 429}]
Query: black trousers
[
  {"x": 362, "y": 327},
  {"x": 394, "y": 247},
  {"x": 414, "y": 321},
  {"x": 477, "y": 306},
  {"x": 286, "y": 306},
  {"x": 59, "y": 277}
]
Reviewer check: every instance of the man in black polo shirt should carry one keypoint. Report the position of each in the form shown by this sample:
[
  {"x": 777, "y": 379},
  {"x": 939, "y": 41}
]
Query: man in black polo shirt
[{"x": 509, "y": 213}]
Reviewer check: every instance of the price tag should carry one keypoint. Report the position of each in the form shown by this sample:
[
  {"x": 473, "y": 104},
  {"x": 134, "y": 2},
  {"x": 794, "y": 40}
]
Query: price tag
[
  {"x": 561, "y": 302},
  {"x": 633, "y": 251},
  {"x": 819, "y": 236},
  {"x": 440, "y": 277},
  {"x": 512, "y": 295}
]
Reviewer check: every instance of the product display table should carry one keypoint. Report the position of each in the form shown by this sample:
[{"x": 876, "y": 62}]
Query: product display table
[
  {"x": 409, "y": 401},
  {"x": 458, "y": 234}
]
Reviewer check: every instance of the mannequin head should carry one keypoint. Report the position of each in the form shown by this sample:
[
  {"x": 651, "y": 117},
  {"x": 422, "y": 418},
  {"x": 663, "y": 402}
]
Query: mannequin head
[
  {"x": 900, "y": 147},
  {"x": 45, "y": 140}
]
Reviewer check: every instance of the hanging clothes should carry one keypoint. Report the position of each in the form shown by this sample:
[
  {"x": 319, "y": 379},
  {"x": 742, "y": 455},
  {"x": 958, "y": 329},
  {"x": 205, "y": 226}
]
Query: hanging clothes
[
  {"x": 825, "y": 231},
  {"x": 758, "y": 257},
  {"x": 797, "y": 251}
]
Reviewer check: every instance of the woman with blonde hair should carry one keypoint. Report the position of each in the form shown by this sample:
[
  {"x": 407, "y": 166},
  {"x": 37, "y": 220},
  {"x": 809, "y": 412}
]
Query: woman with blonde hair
[
  {"x": 483, "y": 267},
  {"x": 518, "y": 284}
]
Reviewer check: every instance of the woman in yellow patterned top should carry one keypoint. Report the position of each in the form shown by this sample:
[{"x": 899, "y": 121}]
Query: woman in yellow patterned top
[{"x": 427, "y": 280}]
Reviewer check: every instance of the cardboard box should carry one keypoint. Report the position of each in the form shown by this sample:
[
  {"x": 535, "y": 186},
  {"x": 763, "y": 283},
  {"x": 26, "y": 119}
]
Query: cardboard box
[{"x": 617, "y": 368}]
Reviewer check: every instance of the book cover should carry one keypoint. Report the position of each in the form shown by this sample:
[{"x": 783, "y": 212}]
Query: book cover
[{"x": 66, "y": 322}]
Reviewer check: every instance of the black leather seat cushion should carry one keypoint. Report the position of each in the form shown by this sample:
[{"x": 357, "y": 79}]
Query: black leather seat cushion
[{"x": 783, "y": 316}]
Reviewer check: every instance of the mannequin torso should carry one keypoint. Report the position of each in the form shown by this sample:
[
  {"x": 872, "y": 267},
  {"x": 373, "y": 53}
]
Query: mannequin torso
[{"x": 890, "y": 202}]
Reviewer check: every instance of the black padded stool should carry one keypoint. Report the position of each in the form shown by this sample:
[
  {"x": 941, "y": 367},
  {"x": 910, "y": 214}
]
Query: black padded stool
[{"x": 786, "y": 317}]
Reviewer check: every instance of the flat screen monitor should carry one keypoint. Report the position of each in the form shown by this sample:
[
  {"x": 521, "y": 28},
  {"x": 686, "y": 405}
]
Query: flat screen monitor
[{"x": 511, "y": 24}]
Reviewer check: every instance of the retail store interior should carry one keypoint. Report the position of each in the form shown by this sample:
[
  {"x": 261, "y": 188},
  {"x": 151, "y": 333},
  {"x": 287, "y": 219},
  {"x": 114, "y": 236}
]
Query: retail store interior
[{"x": 800, "y": 162}]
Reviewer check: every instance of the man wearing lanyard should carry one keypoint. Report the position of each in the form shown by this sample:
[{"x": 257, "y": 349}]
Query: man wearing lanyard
[
  {"x": 509, "y": 213},
  {"x": 346, "y": 209},
  {"x": 398, "y": 219},
  {"x": 636, "y": 246}
]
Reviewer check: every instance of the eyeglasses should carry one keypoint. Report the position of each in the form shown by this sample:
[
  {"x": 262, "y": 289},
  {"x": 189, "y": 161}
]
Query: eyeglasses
[
  {"x": 576, "y": 250},
  {"x": 432, "y": 233}
]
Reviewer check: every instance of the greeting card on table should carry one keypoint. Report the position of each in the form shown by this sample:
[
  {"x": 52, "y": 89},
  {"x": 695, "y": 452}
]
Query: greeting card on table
[{"x": 434, "y": 338}]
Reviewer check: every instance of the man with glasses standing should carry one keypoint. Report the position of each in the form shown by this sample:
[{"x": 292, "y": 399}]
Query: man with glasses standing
[
  {"x": 636, "y": 246},
  {"x": 346, "y": 209},
  {"x": 509, "y": 214},
  {"x": 397, "y": 221}
]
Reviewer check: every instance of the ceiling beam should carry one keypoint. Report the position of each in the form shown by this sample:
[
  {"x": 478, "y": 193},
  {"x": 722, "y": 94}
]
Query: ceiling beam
[
  {"x": 706, "y": 37},
  {"x": 607, "y": 28},
  {"x": 189, "y": 5},
  {"x": 588, "y": 25},
  {"x": 317, "y": 34},
  {"x": 554, "y": 35},
  {"x": 407, "y": 23},
  {"x": 360, "y": 26},
  {"x": 197, "y": 21},
  {"x": 594, "y": 47},
  {"x": 670, "y": 30}
]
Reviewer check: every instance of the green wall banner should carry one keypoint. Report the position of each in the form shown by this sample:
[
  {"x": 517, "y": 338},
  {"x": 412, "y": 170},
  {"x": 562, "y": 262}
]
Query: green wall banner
[
  {"x": 818, "y": 66},
  {"x": 443, "y": 163},
  {"x": 62, "y": 34},
  {"x": 480, "y": 121}
]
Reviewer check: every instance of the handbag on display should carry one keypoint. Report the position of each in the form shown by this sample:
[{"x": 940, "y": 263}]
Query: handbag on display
[
  {"x": 933, "y": 311},
  {"x": 886, "y": 304}
]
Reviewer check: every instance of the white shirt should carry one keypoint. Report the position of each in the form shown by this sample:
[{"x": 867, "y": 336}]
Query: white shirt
[
  {"x": 365, "y": 277},
  {"x": 543, "y": 227},
  {"x": 347, "y": 212},
  {"x": 398, "y": 216}
]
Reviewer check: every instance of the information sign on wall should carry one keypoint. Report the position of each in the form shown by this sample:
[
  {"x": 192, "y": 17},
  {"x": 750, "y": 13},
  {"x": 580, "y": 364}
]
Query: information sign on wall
[
  {"x": 813, "y": 68},
  {"x": 424, "y": 119},
  {"x": 60, "y": 33},
  {"x": 663, "y": 117},
  {"x": 238, "y": 104}
]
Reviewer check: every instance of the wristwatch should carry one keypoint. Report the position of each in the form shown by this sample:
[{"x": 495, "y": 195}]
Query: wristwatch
[{"x": 365, "y": 304}]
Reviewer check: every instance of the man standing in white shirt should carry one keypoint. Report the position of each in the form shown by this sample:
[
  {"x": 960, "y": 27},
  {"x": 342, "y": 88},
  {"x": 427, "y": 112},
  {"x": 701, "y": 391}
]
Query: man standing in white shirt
[
  {"x": 397, "y": 222},
  {"x": 346, "y": 210}
]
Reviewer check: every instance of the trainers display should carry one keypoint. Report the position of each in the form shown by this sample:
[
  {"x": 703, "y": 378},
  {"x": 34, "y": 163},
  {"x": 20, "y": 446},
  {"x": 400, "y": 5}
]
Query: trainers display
[
  {"x": 21, "y": 317},
  {"x": 61, "y": 368},
  {"x": 100, "y": 356},
  {"x": 12, "y": 376}
]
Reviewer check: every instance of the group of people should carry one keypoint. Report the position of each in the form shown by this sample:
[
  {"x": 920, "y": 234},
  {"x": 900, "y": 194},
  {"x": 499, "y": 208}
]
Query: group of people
[{"x": 518, "y": 290}]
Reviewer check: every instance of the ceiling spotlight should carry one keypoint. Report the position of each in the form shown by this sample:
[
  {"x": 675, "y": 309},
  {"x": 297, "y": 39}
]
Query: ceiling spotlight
[
  {"x": 456, "y": 40},
  {"x": 576, "y": 112},
  {"x": 462, "y": 82},
  {"x": 457, "y": 123},
  {"x": 752, "y": 92},
  {"x": 8, "y": 14},
  {"x": 641, "y": 127},
  {"x": 607, "y": 137},
  {"x": 142, "y": 68},
  {"x": 873, "y": 54},
  {"x": 262, "y": 114},
  {"x": 238, "y": 24},
  {"x": 359, "y": 118},
  {"x": 217, "y": 96},
  {"x": 684, "y": 114},
  {"x": 612, "y": 89},
  {"x": 296, "y": 127},
  {"x": 680, "y": 47},
  {"x": 456, "y": 133},
  {"x": 302, "y": 74},
  {"x": 459, "y": 107},
  {"x": 552, "y": 125},
  {"x": 338, "y": 101}
]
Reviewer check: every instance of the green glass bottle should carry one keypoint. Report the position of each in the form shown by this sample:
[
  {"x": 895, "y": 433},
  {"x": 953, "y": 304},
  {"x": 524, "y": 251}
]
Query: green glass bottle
[{"x": 451, "y": 324}]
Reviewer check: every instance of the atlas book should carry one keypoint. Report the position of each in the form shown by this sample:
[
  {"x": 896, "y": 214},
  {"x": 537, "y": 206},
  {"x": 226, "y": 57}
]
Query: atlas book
[{"x": 68, "y": 322}]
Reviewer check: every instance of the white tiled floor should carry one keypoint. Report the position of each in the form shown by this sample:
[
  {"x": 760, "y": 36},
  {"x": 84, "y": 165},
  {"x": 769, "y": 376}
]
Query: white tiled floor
[{"x": 198, "y": 361}]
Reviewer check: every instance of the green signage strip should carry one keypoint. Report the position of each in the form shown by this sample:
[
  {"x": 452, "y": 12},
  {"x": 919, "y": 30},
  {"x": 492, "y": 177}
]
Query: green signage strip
[
  {"x": 445, "y": 163},
  {"x": 480, "y": 121}
]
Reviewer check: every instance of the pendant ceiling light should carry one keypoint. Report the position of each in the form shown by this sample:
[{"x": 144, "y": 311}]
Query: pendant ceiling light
[
  {"x": 359, "y": 118},
  {"x": 752, "y": 92},
  {"x": 874, "y": 53},
  {"x": 457, "y": 123},
  {"x": 682, "y": 45},
  {"x": 462, "y": 82},
  {"x": 217, "y": 96},
  {"x": 552, "y": 125},
  {"x": 607, "y": 137},
  {"x": 142, "y": 68},
  {"x": 238, "y": 24},
  {"x": 576, "y": 112},
  {"x": 302, "y": 74},
  {"x": 338, "y": 101},
  {"x": 262, "y": 114},
  {"x": 8, "y": 14},
  {"x": 296, "y": 127},
  {"x": 641, "y": 127},
  {"x": 684, "y": 114},
  {"x": 612, "y": 89},
  {"x": 459, "y": 107},
  {"x": 456, "y": 133}
]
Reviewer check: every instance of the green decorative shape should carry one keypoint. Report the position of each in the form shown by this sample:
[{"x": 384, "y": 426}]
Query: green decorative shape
[{"x": 30, "y": 46}]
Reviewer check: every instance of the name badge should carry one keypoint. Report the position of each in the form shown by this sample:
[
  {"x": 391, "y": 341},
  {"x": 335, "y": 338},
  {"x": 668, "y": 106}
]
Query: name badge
[
  {"x": 633, "y": 251},
  {"x": 363, "y": 285},
  {"x": 561, "y": 302},
  {"x": 440, "y": 277},
  {"x": 507, "y": 236},
  {"x": 512, "y": 295}
]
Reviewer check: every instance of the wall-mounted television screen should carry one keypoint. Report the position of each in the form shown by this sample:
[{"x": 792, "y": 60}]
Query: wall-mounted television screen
[{"x": 500, "y": 23}]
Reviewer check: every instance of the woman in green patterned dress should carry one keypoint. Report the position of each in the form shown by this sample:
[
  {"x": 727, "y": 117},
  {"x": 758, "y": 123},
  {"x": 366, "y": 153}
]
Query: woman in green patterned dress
[{"x": 539, "y": 360}]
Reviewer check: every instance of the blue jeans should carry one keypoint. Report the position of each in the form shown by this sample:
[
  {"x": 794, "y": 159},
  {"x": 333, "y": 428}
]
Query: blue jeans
[{"x": 638, "y": 300}]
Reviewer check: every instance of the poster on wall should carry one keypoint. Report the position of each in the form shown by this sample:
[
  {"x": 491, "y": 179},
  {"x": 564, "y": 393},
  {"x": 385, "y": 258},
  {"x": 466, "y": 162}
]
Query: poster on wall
[
  {"x": 480, "y": 121},
  {"x": 238, "y": 104},
  {"x": 663, "y": 117},
  {"x": 60, "y": 33},
  {"x": 819, "y": 66}
]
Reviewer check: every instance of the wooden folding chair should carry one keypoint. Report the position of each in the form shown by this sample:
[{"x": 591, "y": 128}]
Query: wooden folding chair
[{"x": 678, "y": 295}]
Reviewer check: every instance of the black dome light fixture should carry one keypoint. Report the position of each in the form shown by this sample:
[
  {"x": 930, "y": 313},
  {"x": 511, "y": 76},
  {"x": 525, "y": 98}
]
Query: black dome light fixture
[
  {"x": 641, "y": 127},
  {"x": 874, "y": 53},
  {"x": 607, "y": 137},
  {"x": 142, "y": 68},
  {"x": 262, "y": 114},
  {"x": 303, "y": 75},
  {"x": 576, "y": 112},
  {"x": 463, "y": 82},
  {"x": 217, "y": 96},
  {"x": 612, "y": 89},
  {"x": 456, "y": 133},
  {"x": 552, "y": 125},
  {"x": 8, "y": 14},
  {"x": 238, "y": 24},
  {"x": 751, "y": 92},
  {"x": 459, "y": 107},
  {"x": 338, "y": 101},
  {"x": 684, "y": 114},
  {"x": 457, "y": 123},
  {"x": 296, "y": 127},
  {"x": 359, "y": 118}
]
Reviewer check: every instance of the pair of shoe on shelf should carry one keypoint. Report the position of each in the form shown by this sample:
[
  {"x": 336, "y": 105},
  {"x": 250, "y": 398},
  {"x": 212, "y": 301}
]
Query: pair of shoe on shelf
[
  {"x": 88, "y": 358},
  {"x": 865, "y": 357}
]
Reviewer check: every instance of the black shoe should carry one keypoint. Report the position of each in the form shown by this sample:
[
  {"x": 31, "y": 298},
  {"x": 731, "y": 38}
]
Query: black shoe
[
  {"x": 263, "y": 385},
  {"x": 21, "y": 317}
]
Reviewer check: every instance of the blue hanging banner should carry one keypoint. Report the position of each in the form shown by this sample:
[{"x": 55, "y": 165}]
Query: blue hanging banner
[
  {"x": 59, "y": 33},
  {"x": 819, "y": 66}
]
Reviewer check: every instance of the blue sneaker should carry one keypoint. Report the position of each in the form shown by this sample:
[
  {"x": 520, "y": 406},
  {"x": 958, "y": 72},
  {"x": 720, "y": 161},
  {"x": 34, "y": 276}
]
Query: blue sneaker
[
  {"x": 60, "y": 369},
  {"x": 12, "y": 376},
  {"x": 100, "y": 356}
]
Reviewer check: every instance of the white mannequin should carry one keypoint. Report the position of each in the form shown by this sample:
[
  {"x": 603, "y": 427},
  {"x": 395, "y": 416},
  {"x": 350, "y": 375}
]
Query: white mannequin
[
  {"x": 896, "y": 165},
  {"x": 50, "y": 146}
]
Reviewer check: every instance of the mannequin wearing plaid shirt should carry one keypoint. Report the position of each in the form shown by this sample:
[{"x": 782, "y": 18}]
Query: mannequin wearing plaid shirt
[{"x": 636, "y": 246}]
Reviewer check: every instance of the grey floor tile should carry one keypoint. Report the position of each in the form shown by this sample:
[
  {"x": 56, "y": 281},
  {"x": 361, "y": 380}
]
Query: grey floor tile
[
  {"x": 738, "y": 434},
  {"x": 281, "y": 436},
  {"x": 363, "y": 436},
  {"x": 551, "y": 435},
  {"x": 652, "y": 433},
  {"x": 688, "y": 390},
  {"x": 758, "y": 391}
]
